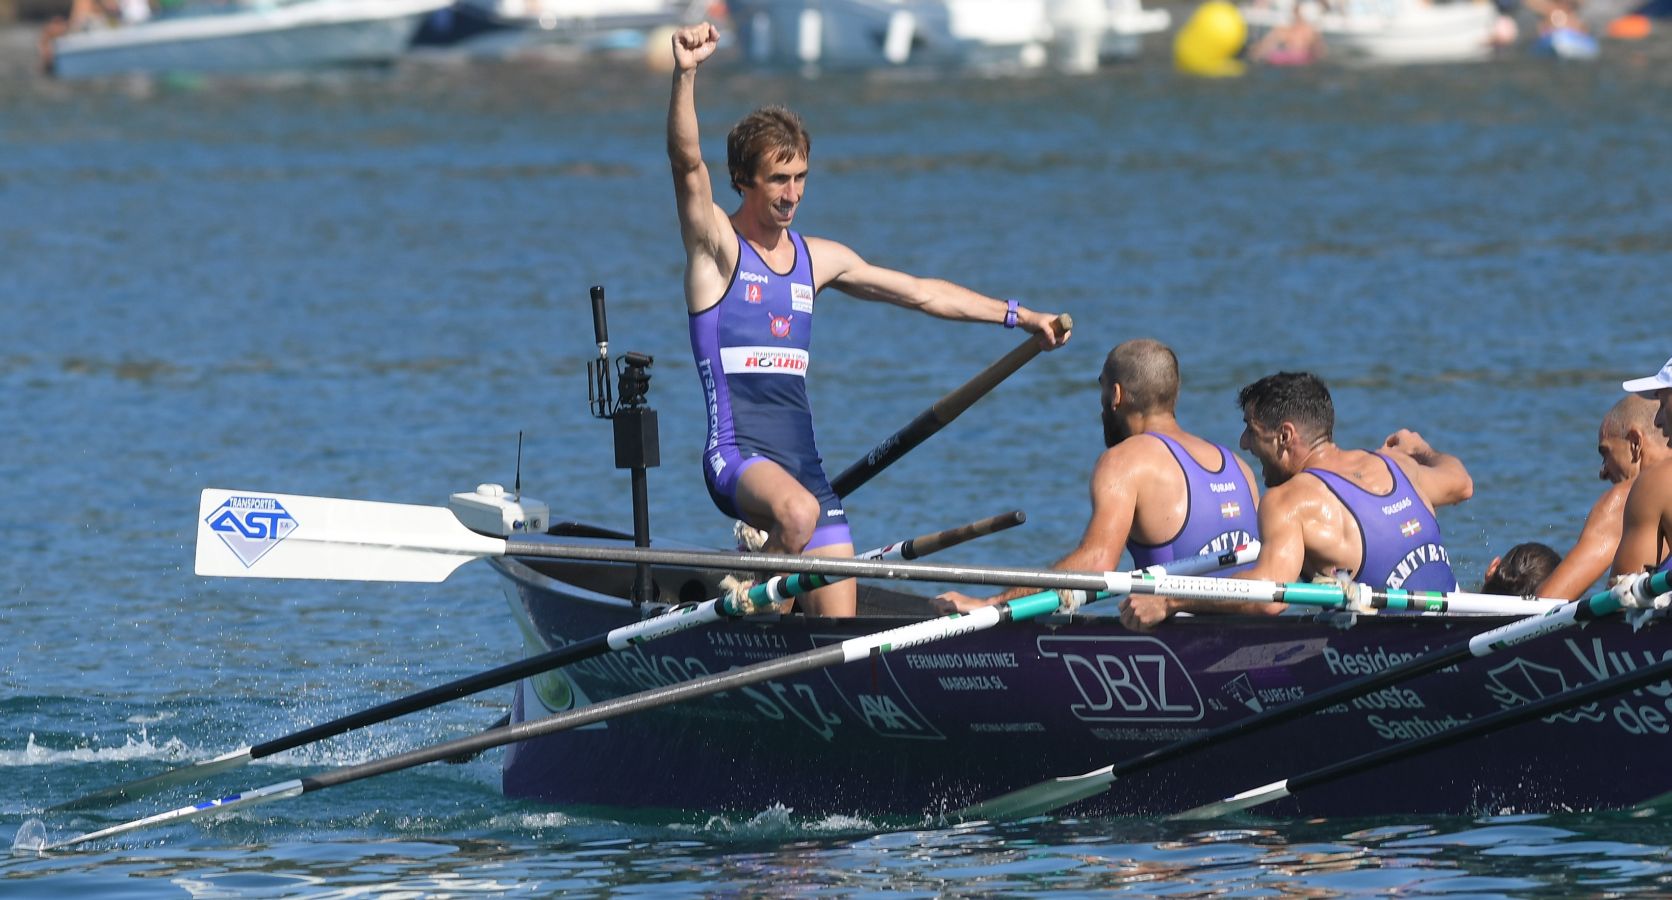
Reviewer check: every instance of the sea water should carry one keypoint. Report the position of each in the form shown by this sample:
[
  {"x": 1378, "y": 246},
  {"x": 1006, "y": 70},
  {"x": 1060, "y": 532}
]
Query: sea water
[{"x": 369, "y": 285}]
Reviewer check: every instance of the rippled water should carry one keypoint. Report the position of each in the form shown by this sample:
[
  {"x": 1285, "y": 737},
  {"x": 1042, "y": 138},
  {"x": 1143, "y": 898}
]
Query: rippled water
[{"x": 366, "y": 286}]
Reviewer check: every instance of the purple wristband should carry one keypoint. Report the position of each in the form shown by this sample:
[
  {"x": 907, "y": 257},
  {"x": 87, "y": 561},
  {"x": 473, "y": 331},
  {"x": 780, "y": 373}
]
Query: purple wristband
[{"x": 1010, "y": 313}]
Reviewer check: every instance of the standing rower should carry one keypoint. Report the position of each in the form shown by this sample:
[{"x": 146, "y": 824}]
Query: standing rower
[{"x": 749, "y": 288}]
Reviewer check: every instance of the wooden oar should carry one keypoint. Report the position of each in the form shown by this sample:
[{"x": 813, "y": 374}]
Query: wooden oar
[
  {"x": 850, "y": 650},
  {"x": 679, "y": 619},
  {"x": 940, "y": 414},
  {"x": 1055, "y": 793},
  {"x": 1484, "y": 725}
]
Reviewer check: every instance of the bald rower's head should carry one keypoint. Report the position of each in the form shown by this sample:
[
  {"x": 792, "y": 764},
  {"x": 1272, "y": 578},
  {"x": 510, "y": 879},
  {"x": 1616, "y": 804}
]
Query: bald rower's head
[
  {"x": 1147, "y": 372},
  {"x": 1629, "y": 440}
]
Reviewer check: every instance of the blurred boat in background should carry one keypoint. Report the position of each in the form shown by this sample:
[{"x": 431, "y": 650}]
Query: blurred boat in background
[
  {"x": 1070, "y": 35},
  {"x": 261, "y": 37},
  {"x": 1391, "y": 31},
  {"x": 498, "y": 26}
]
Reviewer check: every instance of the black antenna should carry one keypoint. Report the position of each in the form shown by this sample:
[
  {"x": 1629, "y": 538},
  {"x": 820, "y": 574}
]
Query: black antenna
[{"x": 517, "y": 489}]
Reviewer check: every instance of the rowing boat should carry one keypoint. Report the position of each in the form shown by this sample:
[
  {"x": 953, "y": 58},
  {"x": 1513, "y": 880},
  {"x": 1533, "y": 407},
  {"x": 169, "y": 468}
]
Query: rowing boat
[{"x": 929, "y": 730}]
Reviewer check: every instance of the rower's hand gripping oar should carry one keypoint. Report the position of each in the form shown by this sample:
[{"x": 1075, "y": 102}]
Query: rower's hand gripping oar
[
  {"x": 671, "y": 622},
  {"x": 853, "y": 649},
  {"x": 940, "y": 414},
  {"x": 1041, "y": 798}
]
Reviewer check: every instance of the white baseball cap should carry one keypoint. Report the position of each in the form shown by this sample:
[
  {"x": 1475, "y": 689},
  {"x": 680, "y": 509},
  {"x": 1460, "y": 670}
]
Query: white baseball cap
[{"x": 1648, "y": 387}]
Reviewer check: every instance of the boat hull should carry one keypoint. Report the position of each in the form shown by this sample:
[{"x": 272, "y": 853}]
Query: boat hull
[
  {"x": 306, "y": 35},
  {"x": 929, "y": 729}
]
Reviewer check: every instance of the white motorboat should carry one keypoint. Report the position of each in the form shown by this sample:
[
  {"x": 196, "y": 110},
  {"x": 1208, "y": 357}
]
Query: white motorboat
[
  {"x": 1392, "y": 31},
  {"x": 1072, "y": 35},
  {"x": 263, "y": 37},
  {"x": 511, "y": 25}
]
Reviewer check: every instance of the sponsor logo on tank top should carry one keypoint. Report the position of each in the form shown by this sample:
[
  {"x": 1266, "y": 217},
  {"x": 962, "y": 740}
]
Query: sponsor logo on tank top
[
  {"x": 751, "y": 293},
  {"x": 763, "y": 361},
  {"x": 780, "y": 326},
  {"x": 1394, "y": 508},
  {"x": 801, "y": 297},
  {"x": 1414, "y": 560},
  {"x": 1226, "y": 542},
  {"x": 1222, "y": 487},
  {"x": 754, "y": 277}
]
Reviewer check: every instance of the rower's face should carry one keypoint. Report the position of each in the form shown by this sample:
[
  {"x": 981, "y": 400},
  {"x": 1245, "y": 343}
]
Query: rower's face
[
  {"x": 1267, "y": 448},
  {"x": 1615, "y": 450},
  {"x": 777, "y": 189}
]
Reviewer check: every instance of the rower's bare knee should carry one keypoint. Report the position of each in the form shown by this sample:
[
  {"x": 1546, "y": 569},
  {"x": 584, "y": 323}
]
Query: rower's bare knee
[{"x": 795, "y": 517}]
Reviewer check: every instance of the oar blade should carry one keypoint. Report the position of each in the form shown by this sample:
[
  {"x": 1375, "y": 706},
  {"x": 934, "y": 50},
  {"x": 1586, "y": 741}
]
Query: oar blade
[
  {"x": 161, "y": 781},
  {"x": 257, "y": 534},
  {"x": 1038, "y": 799}
]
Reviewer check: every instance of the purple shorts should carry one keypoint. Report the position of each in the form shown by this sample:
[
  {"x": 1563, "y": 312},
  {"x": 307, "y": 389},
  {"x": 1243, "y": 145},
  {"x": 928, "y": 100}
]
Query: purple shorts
[{"x": 724, "y": 466}]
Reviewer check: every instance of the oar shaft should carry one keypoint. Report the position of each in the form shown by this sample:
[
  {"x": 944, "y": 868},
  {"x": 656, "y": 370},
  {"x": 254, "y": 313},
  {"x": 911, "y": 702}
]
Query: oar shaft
[
  {"x": 932, "y": 543},
  {"x": 1601, "y": 604},
  {"x": 818, "y": 565},
  {"x": 849, "y": 650},
  {"x": 1058, "y": 792},
  {"x": 939, "y": 415},
  {"x": 1484, "y": 725},
  {"x": 782, "y": 667},
  {"x": 678, "y": 619}
]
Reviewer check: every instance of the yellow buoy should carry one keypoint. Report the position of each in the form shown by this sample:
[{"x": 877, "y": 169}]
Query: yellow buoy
[{"x": 1209, "y": 42}]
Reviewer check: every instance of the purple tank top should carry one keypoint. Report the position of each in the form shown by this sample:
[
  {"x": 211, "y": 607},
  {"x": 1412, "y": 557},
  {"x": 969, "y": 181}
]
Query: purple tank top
[
  {"x": 1399, "y": 536},
  {"x": 1220, "y": 514},
  {"x": 752, "y": 351}
]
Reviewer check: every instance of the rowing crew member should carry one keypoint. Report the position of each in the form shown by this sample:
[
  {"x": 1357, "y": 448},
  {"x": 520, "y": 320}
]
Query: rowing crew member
[
  {"x": 1630, "y": 443},
  {"x": 1646, "y": 538},
  {"x": 749, "y": 288},
  {"x": 1158, "y": 490},
  {"x": 1328, "y": 508}
]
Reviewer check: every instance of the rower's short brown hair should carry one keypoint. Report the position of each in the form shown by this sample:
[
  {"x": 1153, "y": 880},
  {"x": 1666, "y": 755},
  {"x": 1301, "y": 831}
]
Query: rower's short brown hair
[
  {"x": 1297, "y": 397},
  {"x": 1147, "y": 371},
  {"x": 773, "y": 132}
]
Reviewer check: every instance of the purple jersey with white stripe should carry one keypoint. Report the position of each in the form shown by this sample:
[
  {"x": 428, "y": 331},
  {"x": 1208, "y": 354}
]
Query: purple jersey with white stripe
[
  {"x": 1220, "y": 514},
  {"x": 1399, "y": 536},
  {"x": 752, "y": 354}
]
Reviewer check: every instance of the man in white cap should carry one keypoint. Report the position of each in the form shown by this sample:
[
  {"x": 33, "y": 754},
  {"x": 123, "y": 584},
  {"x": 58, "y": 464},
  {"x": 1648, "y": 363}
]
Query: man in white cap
[{"x": 1647, "y": 534}]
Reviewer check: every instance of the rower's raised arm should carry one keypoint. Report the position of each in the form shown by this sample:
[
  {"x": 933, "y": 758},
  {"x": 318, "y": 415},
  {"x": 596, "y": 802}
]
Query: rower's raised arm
[
  {"x": 1442, "y": 478},
  {"x": 699, "y": 217}
]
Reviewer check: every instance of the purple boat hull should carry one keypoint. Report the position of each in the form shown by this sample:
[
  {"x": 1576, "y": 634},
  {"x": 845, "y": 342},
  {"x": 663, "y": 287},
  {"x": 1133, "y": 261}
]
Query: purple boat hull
[{"x": 930, "y": 729}]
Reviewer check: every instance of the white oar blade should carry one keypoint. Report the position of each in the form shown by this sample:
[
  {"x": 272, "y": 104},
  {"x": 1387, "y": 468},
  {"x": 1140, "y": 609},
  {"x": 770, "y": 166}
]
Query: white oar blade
[
  {"x": 256, "y": 534},
  {"x": 1038, "y": 799}
]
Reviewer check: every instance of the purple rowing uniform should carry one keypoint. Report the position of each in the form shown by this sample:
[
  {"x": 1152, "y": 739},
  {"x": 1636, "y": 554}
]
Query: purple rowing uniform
[
  {"x": 1220, "y": 514},
  {"x": 752, "y": 351},
  {"x": 1399, "y": 536}
]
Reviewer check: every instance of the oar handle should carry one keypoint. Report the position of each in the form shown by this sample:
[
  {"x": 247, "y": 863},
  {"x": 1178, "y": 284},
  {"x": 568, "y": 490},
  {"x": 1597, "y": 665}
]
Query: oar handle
[{"x": 940, "y": 414}]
